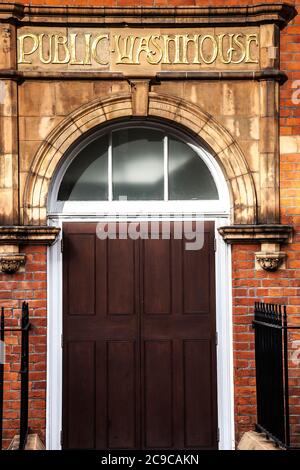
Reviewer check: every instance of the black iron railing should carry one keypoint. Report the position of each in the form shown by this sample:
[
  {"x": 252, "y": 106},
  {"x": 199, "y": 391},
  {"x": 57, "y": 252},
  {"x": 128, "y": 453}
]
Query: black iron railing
[
  {"x": 24, "y": 371},
  {"x": 272, "y": 372}
]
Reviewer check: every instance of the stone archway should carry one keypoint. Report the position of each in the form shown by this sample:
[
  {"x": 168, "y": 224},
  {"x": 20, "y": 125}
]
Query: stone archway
[{"x": 160, "y": 106}]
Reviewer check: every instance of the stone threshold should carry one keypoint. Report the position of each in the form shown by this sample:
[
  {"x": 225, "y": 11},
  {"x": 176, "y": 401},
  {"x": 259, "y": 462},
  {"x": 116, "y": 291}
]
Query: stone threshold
[{"x": 279, "y": 13}]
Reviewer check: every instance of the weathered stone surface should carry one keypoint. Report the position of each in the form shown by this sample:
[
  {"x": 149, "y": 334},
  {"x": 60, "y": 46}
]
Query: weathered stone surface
[
  {"x": 20, "y": 234},
  {"x": 9, "y": 161},
  {"x": 164, "y": 106},
  {"x": 234, "y": 101},
  {"x": 289, "y": 144},
  {"x": 33, "y": 443},
  {"x": 140, "y": 97},
  {"x": 270, "y": 260},
  {"x": 37, "y": 99},
  {"x": 8, "y": 50},
  {"x": 10, "y": 263},
  {"x": 27, "y": 150},
  {"x": 278, "y": 13},
  {"x": 269, "y": 52},
  {"x": 71, "y": 95},
  {"x": 246, "y": 233},
  {"x": 103, "y": 89},
  {"x": 236, "y": 118},
  {"x": 254, "y": 441},
  {"x": 133, "y": 51}
]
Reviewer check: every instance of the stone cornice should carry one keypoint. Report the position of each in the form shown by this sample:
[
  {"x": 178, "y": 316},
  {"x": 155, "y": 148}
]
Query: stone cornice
[
  {"x": 28, "y": 234},
  {"x": 280, "y": 13},
  {"x": 266, "y": 74},
  {"x": 268, "y": 233}
]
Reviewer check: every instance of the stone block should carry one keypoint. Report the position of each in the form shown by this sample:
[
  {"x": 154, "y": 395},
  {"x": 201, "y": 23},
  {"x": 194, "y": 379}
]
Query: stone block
[
  {"x": 240, "y": 99},
  {"x": 37, "y": 128},
  {"x": 27, "y": 151},
  {"x": 289, "y": 144},
  {"x": 33, "y": 443},
  {"x": 8, "y": 98},
  {"x": 37, "y": 99},
  {"x": 71, "y": 95},
  {"x": 252, "y": 440}
]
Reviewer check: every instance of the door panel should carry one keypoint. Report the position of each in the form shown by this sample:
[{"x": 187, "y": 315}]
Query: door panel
[
  {"x": 81, "y": 272},
  {"x": 156, "y": 274},
  {"x": 121, "y": 373},
  {"x": 139, "y": 342},
  {"x": 158, "y": 389},
  {"x": 196, "y": 281},
  {"x": 120, "y": 286},
  {"x": 197, "y": 383},
  {"x": 81, "y": 380}
]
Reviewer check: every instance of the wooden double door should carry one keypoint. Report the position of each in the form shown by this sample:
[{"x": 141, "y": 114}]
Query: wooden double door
[{"x": 139, "y": 345}]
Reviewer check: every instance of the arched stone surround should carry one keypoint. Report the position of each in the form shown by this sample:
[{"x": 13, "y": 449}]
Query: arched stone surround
[{"x": 188, "y": 116}]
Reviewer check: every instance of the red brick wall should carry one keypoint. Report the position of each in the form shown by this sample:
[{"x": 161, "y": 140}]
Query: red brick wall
[
  {"x": 249, "y": 285},
  {"x": 31, "y": 286},
  {"x": 283, "y": 286},
  {"x": 290, "y": 63}
]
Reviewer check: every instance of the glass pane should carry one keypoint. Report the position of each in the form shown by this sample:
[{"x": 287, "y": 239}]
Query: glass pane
[
  {"x": 189, "y": 177},
  {"x": 86, "y": 178},
  {"x": 138, "y": 164}
]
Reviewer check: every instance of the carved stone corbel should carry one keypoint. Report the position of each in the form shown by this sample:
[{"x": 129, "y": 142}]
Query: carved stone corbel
[
  {"x": 270, "y": 258},
  {"x": 13, "y": 237},
  {"x": 270, "y": 261},
  {"x": 10, "y": 263},
  {"x": 270, "y": 237}
]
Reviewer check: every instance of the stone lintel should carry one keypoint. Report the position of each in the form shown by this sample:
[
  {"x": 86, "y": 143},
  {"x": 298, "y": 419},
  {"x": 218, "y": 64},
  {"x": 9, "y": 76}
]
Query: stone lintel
[
  {"x": 264, "y": 233},
  {"x": 279, "y": 13},
  {"x": 28, "y": 235}
]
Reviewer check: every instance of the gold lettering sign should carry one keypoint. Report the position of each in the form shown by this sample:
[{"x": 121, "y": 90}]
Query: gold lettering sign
[{"x": 86, "y": 49}]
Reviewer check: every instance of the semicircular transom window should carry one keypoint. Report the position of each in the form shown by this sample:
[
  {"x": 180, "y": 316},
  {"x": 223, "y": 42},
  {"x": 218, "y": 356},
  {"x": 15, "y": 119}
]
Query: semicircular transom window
[{"x": 138, "y": 164}]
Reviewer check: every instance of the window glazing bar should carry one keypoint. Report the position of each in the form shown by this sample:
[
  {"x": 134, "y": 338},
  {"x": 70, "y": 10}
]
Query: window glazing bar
[
  {"x": 109, "y": 168},
  {"x": 166, "y": 169}
]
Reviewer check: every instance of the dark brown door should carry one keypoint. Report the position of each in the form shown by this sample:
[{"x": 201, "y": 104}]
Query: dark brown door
[{"x": 139, "y": 355}]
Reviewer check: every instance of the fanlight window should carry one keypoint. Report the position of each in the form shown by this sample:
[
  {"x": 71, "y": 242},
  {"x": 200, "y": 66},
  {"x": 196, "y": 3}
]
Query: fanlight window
[{"x": 138, "y": 164}]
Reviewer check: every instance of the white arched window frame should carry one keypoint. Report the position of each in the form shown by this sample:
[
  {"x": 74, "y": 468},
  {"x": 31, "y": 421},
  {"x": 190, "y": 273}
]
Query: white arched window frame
[{"x": 142, "y": 208}]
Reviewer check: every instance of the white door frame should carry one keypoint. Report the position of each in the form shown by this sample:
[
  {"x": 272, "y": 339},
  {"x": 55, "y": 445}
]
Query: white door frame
[{"x": 223, "y": 326}]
